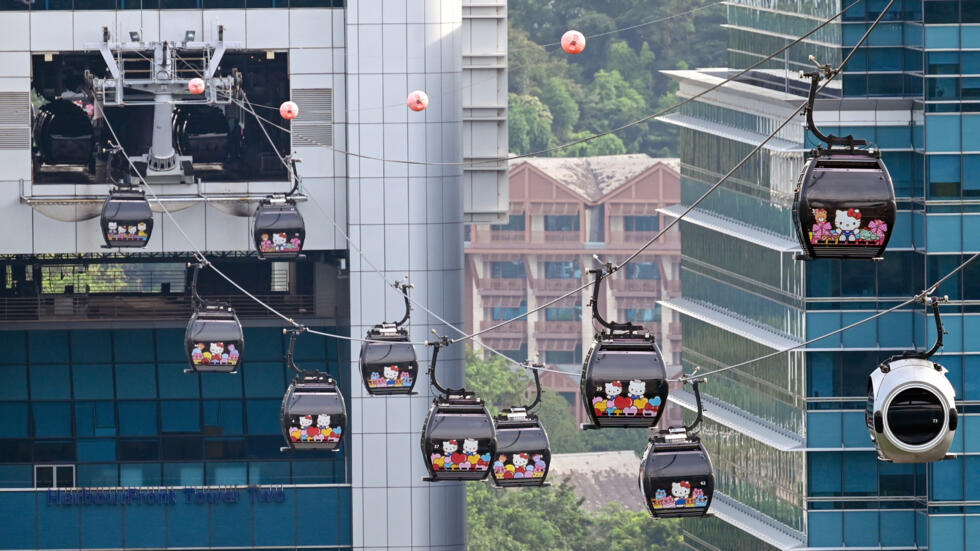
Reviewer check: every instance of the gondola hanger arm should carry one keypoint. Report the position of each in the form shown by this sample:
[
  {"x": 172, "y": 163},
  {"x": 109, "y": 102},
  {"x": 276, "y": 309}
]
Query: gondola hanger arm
[
  {"x": 533, "y": 367},
  {"x": 403, "y": 289}
]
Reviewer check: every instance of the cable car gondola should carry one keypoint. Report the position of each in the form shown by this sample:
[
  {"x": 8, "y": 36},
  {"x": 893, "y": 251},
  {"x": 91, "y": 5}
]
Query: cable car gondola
[
  {"x": 523, "y": 453},
  {"x": 458, "y": 439},
  {"x": 624, "y": 380},
  {"x": 844, "y": 205},
  {"x": 279, "y": 231},
  {"x": 214, "y": 341},
  {"x": 388, "y": 361},
  {"x": 676, "y": 476},
  {"x": 127, "y": 220},
  {"x": 313, "y": 414},
  {"x": 911, "y": 411}
]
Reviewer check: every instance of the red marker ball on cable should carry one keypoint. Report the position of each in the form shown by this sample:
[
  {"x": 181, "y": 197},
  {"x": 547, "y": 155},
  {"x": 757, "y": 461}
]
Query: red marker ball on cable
[{"x": 573, "y": 42}]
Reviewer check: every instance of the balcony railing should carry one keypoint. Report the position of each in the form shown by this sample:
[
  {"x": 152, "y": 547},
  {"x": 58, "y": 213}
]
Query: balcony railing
[
  {"x": 555, "y": 284},
  {"x": 650, "y": 286},
  {"x": 164, "y": 307},
  {"x": 570, "y": 329},
  {"x": 561, "y": 236},
  {"x": 513, "y": 330},
  {"x": 501, "y": 283},
  {"x": 506, "y": 235}
]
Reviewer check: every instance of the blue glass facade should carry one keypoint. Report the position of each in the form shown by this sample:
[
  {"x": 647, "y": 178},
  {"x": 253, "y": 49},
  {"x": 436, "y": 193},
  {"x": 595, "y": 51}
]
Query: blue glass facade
[
  {"x": 912, "y": 91},
  {"x": 193, "y": 461}
]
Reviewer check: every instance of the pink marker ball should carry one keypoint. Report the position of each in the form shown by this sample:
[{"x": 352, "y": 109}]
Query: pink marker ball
[
  {"x": 573, "y": 42},
  {"x": 289, "y": 110},
  {"x": 196, "y": 86},
  {"x": 418, "y": 100}
]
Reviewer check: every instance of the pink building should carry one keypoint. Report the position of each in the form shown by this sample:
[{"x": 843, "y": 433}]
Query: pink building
[{"x": 562, "y": 212}]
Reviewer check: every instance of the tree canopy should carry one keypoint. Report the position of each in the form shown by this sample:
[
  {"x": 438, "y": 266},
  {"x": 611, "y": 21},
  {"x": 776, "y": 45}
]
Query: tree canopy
[{"x": 616, "y": 79}]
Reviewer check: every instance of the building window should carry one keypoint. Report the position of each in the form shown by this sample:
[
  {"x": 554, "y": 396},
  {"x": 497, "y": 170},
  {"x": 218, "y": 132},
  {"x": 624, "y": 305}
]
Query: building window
[
  {"x": 500, "y": 313},
  {"x": 641, "y": 223},
  {"x": 516, "y": 223},
  {"x": 642, "y": 270},
  {"x": 516, "y": 355},
  {"x": 563, "y": 314},
  {"x": 562, "y": 270},
  {"x": 557, "y": 357},
  {"x": 54, "y": 476},
  {"x": 513, "y": 269},
  {"x": 642, "y": 314},
  {"x": 561, "y": 222}
]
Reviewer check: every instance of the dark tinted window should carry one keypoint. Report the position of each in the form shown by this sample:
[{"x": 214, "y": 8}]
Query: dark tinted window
[
  {"x": 315, "y": 403},
  {"x": 376, "y": 353},
  {"x": 679, "y": 465},
  {"x": 526, "y": 439},
  {"x": 915, "y": 416},
  {"x": 457, "y": 426}
]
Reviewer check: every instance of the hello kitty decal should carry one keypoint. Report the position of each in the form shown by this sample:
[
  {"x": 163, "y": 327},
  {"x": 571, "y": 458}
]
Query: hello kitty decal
[
  {"x": 138, "y": 232},
  {"x": 215, "y": 353},
  {"x": 469, "y": 454},
  {"x": 520, "y": 466},
  {"x": 682, "y": 495},
  {"x": 280, "y": 242},
  {"x": 321, "y": 428},
  {"x": 634, "y": 402},
  {"x": 848, "y": 227},
  {"x": 391, "y": 376}
]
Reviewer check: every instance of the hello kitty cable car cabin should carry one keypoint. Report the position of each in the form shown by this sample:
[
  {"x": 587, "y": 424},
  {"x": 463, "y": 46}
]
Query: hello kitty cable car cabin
[
  {"x": 458, "y": 438},
  {"x": 313, "y": 414},
  {"x": 845, "y": 201},
  {"x": 624, "y": 379},
  {"x": 676, "y": 476},
  {"x": 388, "y": 361},
  {"x": 213, "y": 340},
  {"x": 126, "y": 220},
  {"x": 523, "y": 453},
  {"x": 279, "y": 231}
]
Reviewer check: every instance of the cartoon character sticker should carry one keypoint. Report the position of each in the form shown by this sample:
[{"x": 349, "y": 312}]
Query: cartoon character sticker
[
  {"x": 631, "y": 403},
  {"x": 391, "y": 376},
  {"x": 681, "y": 495},
  {"x": 280, "y": 242},
  {"x": 315, "y": 429},
  {"x": 215, "y": 353},
  {"x": 520, "y": 465},
  {"x": 846, "y": 228},
  {"x": 453, "y": 458}
]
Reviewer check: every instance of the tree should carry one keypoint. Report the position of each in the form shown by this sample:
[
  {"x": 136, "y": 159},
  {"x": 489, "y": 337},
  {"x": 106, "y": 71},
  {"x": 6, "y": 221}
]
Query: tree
[
  {"x": 498, "y": 381},
  {"x": 610, "y": 144},
  {"x": 530, "y": 124},
  {"x": 565, "y": 110}
]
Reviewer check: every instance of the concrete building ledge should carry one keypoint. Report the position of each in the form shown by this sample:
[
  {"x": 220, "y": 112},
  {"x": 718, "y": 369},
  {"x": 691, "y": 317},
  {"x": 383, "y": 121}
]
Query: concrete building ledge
[
  {"x": 724, "y": 225},
  {"x": 729, "y": 322},
  {"x": 741, "y": 421},
  {"x": 744, "y": 136},
  {"x": 758, "y": 525}
]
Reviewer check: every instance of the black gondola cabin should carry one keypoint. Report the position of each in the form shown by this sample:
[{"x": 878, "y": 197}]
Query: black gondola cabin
[
  {"x": 389, "y": 366},
  {"x": 523, "y": 453},
  {"x": 844, "y": 206},
  {"x": 313, "y": 414},
  {"x": 676, "y": 476},
  {"x": 624, "y": 381},
  {"x": 127, "y": 220},
  {"x": 458, "y": 438},
  {"x": 214, "y": 340},
  {"x": 279, "y": 231}
]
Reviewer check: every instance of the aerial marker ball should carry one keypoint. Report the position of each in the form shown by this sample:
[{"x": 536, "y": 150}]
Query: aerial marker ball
[
  {"x": 418, "y": 100},
  {"x": 573, "y": 42},
  {"x": 289, "y": 110},
  {"x": 196, "y": 86}
]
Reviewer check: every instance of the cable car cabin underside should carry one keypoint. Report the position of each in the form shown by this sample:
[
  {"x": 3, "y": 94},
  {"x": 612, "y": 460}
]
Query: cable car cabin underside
[
  {"x": 523, "y": 452},
  {"x": 624, "y": 382},
  {"x": 458, "y": 440}
]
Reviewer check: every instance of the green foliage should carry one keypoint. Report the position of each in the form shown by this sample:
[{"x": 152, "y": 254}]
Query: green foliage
[
  {"x": 551, "y": 518},
  {"x": 530, "y": 124},
  {"x": 498, "y": 381},
  {"x": 617, "y": 79}
]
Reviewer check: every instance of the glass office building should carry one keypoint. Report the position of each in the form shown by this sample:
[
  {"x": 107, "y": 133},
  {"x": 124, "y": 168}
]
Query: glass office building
[{"x": 793, "y": 460}]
